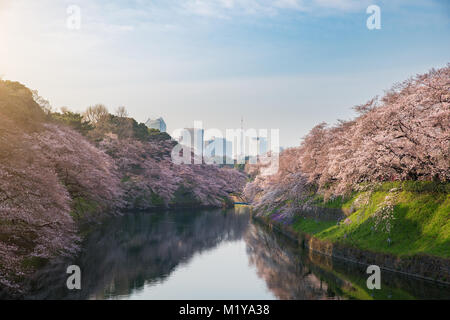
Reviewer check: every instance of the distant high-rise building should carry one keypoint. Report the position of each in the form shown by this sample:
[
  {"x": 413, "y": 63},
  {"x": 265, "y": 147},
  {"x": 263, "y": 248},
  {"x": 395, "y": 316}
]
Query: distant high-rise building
[
  {"x": 156, "y": 124},
  {"x": 218, "y": 148},
  {"x": 193, "y": 137},
  {"x": 261, "y": 146}
]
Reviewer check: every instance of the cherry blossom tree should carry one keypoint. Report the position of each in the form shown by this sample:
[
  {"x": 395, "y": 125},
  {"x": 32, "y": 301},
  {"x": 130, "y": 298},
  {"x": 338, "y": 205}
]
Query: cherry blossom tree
[
  {"x": 150, "y": 178},
  {"x": 404, "y": 135}
]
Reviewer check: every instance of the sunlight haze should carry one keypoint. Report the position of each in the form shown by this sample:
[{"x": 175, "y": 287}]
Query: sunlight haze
[{"x": 278, "y": 64}]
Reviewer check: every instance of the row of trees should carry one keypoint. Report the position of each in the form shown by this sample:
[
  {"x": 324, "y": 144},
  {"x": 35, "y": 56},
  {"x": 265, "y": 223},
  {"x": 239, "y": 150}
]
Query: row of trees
[
  {"x": 405, "y": 135},
  {"x": 143, "y": 159}
]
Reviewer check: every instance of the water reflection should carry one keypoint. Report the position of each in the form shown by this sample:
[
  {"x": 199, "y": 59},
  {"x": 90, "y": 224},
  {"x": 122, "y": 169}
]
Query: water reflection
[
  {"x": 292, "y": 272},
  {"x": 282, "y": 267},
  {"x": 124, "y": 254},
  {"x": 210, "y": 254}
]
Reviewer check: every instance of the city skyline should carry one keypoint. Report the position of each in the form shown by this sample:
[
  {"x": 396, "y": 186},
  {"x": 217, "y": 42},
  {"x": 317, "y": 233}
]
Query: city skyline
[{"x": 237, "y": 144}]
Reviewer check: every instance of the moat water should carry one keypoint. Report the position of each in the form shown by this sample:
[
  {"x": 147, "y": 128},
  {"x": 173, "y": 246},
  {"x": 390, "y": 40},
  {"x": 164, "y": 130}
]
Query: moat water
[{"x": 212, "y": 254}]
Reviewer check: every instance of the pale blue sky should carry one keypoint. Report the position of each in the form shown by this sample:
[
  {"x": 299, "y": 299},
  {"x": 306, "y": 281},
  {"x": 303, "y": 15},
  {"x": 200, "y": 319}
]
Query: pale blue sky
[{"x": 286, "y": 64}]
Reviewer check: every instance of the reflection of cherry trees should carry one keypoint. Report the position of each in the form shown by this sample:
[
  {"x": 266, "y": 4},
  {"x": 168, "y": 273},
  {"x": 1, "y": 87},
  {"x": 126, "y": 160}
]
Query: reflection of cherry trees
[
  {"x": 402, "y": 136},
  {"x": 292, "y": 272},
  {"x": 129, "y": 252},
  {"x": 282, "y": 267},
  {"x": 136, "y": 249}
]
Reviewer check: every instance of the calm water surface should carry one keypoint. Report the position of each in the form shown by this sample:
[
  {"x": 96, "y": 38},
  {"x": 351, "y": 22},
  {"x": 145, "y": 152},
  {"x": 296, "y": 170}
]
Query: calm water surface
[{"x": 212, "y": 254}]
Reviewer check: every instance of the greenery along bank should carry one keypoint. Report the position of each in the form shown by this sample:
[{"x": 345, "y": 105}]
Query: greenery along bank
[
  {"x": 401, "y": 226},
  {"x": 402, "y": 218}
]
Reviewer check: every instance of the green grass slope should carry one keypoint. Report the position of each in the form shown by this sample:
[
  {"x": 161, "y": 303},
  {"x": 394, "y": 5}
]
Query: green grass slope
[{"x": 398, "y": 218}]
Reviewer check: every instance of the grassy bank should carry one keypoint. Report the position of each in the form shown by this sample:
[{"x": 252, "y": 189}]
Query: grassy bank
[{"x": 401, "y": 218}]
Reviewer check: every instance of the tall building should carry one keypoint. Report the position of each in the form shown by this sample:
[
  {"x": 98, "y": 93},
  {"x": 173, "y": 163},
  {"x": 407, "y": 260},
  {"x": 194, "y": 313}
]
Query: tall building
[
  {"x": 156, "y": 124},
  {"x": 193, "y": 137},
  {"x": 261, "y": 146},
  {"x": 219, "y": 149}
]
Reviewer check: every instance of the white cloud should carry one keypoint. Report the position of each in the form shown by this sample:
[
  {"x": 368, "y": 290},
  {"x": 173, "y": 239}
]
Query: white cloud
[
  {"x": 228, "y": 3},
  {"x": 344, "y": 5},
  {"x": 206, "y": 8},
  {"x": 289, "y": 4},
  {"x": 230, "y": 8}
]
